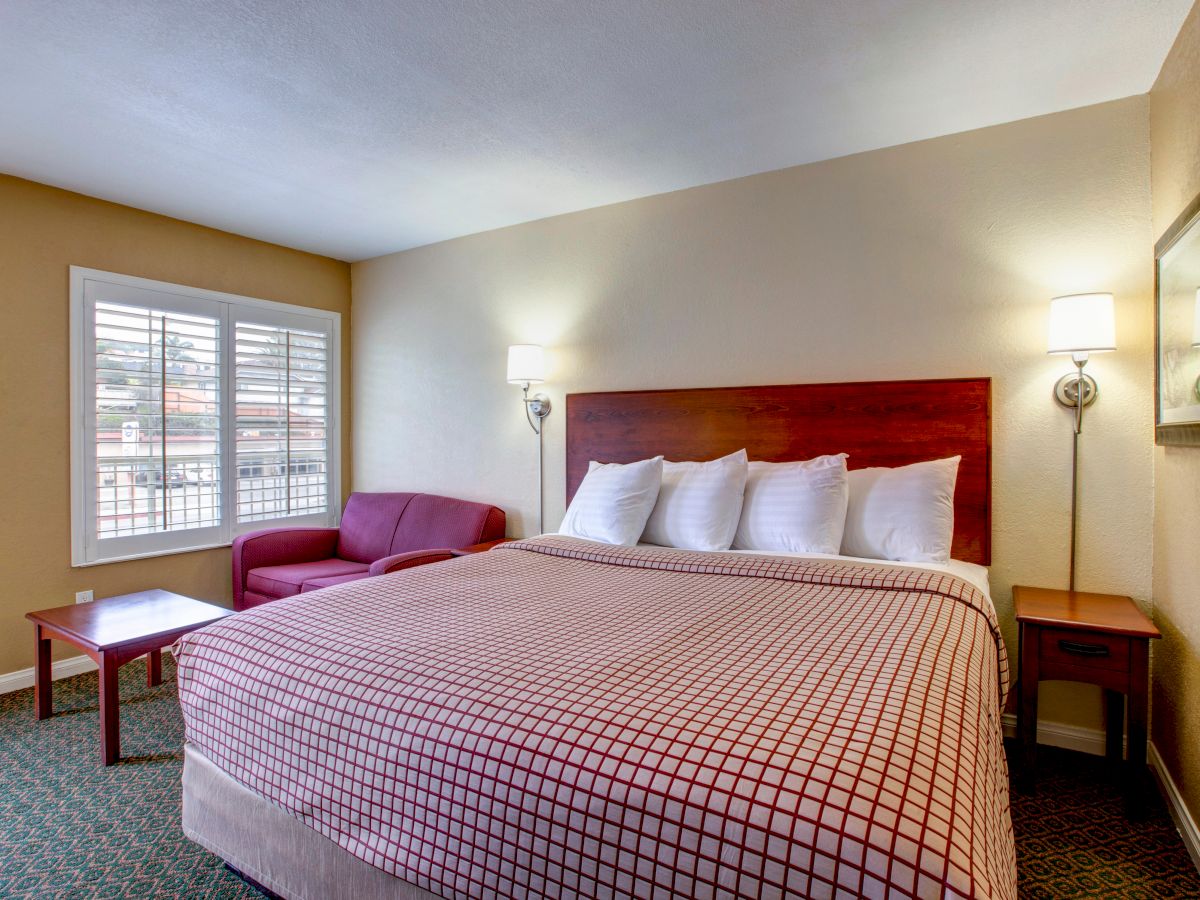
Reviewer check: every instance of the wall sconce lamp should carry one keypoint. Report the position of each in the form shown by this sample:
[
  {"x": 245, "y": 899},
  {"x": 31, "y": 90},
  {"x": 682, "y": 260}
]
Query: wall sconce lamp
[
  {"x": 527, "y": 366},
  {"x": 1080, "y": 324}
]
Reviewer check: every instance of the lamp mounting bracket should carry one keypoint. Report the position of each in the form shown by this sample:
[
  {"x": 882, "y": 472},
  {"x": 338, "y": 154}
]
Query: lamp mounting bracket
[
  {"x": 1066, "y": 391},
  {"x": 539, "y": 406}
]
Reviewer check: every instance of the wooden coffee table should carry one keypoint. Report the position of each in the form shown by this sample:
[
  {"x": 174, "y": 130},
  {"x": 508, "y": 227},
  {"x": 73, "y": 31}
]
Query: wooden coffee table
[{"x": 112, "y": 632}]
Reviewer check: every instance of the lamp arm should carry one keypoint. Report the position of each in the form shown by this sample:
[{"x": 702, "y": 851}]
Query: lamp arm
[
  {"x": 1080, "y": 360},
  {"x": 1079, "y": 391},
  {"x": 535, "y": 422},
  {"x": 525, "y": 403}
]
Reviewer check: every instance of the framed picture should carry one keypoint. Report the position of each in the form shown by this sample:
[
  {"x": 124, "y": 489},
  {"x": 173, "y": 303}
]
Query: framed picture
[{"x": 1177, "y": 331}]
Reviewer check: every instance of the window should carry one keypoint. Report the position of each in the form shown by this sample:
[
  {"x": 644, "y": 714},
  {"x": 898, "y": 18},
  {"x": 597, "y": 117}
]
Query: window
[
  {"x": 196, "y": 416},
  {"x": 280, "y": 420}
]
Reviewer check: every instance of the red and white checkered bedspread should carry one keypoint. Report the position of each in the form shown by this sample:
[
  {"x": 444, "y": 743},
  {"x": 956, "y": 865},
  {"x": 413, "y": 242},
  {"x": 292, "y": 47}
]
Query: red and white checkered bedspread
[{"x": 557, "y": 718}]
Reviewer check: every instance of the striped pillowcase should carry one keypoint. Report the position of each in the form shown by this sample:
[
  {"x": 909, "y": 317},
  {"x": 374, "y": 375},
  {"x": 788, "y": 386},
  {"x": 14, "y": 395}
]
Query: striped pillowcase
[
  {"x": 904, "y": 514},
  {"x": 795, "y": 507},
  {"x": 699, "y": 504},
  {"x": 613, "y": 502}
]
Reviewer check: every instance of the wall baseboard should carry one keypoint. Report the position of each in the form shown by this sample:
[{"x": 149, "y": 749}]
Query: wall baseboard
[
  {"x": 1179, "y": 811},
  {"x": 1091, "y": 740},
  {"x": 1059, "y": 734},
  {"x": 63, "y": 668}
]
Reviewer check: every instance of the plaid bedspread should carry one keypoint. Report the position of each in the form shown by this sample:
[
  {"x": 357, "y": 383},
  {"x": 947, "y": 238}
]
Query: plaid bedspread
[{"x": 557, "y": 718}]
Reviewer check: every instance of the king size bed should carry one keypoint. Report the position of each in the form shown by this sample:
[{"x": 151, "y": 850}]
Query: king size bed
[{"x": 562, "y": 718}]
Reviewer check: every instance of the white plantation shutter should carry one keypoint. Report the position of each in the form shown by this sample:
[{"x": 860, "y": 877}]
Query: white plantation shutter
[
  {"x": 158, "y": 426},
  {"x": 196, "y": 416},
  {"x": 281, "y": 420}
]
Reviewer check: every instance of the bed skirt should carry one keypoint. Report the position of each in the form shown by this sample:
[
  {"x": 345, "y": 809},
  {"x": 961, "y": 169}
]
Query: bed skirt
[{"x": 267, "y": 845}]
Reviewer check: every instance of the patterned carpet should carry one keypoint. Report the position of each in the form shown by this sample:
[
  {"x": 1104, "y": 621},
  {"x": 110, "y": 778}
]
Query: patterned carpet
[
  {"x": 70, "y": 828},
  {"x": 1073, "y": 839}
]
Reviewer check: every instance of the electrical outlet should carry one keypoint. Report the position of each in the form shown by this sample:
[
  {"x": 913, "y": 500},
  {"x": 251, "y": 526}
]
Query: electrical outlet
[{"x": 83, "y": 596}]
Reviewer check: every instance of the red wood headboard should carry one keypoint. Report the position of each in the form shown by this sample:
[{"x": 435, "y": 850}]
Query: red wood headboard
[{"x": 879, "y": 423}]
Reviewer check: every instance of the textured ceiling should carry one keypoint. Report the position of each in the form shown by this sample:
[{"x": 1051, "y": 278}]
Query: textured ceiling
[{"x": 358, "y": 128}]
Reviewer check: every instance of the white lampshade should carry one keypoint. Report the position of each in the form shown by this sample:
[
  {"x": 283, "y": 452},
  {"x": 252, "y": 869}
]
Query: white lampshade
[
  {"x": 1196, "y": 323},
  {"x": 1082, "y": 323},
  {"x": 526, "y": 364}
]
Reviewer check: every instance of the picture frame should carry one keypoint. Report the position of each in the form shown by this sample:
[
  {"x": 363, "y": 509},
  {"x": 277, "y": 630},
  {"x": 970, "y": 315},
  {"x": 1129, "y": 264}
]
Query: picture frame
[{"x": 1177, "y": 331}]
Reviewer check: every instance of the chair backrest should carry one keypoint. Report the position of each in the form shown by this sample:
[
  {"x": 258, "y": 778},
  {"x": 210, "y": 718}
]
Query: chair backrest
[
  {"x": 430, "y": 521},
  {"x": 376, "y": 525},
  {"x": 368, "y": 525}
]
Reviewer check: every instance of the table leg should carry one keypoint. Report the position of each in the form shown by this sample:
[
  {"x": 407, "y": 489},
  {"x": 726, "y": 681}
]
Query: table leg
[
  {"x": 43, "y": 684},
  {"x": 1115, "y": 726},
  {"x": 110, "y": 703},
  {"x": 154, "y": 668},
  {"x": 1136, "y": 783},
  {"x": 1027, "y": 707}
]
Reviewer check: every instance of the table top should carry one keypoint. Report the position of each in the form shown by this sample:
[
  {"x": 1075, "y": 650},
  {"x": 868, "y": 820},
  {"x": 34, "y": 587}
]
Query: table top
[
  {"x": 113, "y": 621},
  {"x": 1111, "y": 613}
]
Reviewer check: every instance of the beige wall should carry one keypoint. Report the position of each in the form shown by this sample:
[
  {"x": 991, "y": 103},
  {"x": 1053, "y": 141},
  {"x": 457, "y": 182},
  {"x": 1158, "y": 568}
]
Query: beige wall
[
  {"x": 932, "y": 259},
  {"x": 44, "y": 230},
  {"x": 1175, "y": 137}
]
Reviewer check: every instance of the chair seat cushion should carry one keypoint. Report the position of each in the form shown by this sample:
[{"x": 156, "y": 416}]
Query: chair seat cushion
[
  {"x": 315, "y": 584},
  {"x": 286, "y": 581}
]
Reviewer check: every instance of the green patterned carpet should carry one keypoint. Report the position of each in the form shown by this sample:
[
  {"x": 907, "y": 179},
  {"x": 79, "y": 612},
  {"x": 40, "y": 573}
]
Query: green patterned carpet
[{"x": 71, "y": 828}]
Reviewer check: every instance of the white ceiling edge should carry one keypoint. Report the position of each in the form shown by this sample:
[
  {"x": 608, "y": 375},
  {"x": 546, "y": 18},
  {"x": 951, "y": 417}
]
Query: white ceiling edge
[{"x": 360, "y": 129}]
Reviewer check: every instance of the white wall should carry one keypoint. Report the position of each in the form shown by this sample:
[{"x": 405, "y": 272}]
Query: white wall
[
  {"x": 928, "y": 260},
  {"x": 1175, "y": 136}
]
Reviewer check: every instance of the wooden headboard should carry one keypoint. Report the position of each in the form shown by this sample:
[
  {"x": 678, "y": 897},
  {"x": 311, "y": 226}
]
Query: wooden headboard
[{"x": 879, "y": 423}]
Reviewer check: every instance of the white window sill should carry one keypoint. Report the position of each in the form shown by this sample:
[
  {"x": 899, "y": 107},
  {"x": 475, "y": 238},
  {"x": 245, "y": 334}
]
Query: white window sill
[{"x": 148, "y": 555}]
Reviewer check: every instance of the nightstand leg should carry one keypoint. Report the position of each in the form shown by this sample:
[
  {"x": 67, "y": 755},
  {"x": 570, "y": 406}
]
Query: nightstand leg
[
  {"x": 1027, "y": 708},
  {"x": 1115, "y": 726},
  {"x": 1136, "y": 785}
]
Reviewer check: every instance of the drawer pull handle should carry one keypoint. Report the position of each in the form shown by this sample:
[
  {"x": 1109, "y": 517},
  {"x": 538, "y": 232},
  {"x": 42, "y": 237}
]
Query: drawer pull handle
[{"x": 1081, "y": 649}]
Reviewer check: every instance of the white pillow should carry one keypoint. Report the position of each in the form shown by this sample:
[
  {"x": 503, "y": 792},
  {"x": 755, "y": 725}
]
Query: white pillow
[
  {"x": 795, "y": 507},
  {"x": 614, "y": 501},
  {"x": 699, "y": 504},
  {"x": 904, "y": 514}
]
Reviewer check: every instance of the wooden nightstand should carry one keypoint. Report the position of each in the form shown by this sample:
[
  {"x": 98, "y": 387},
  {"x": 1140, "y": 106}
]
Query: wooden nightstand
[{"x": 1101, "y": 639}]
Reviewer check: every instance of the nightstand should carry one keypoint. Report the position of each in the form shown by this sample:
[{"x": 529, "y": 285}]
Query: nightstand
[{"x": 1101, "y": 639}]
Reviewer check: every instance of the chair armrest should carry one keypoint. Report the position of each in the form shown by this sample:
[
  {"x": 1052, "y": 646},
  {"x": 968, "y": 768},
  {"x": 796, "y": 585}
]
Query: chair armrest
[
  {"x": 480, "y": 548},
  {"x": 278, "y": 547},
  {"x": 399, "y": 561}
]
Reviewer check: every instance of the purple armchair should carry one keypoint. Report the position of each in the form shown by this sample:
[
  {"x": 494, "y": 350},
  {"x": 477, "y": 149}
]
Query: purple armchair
[{"x": 380, "y": 533}]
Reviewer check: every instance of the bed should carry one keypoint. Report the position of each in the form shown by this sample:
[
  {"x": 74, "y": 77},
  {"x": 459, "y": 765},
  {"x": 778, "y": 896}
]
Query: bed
[{"x": 561, "y": 718}]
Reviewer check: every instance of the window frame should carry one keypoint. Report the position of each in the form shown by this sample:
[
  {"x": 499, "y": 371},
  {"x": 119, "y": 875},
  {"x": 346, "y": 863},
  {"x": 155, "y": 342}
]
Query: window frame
[{"x": 85, "y": 546}]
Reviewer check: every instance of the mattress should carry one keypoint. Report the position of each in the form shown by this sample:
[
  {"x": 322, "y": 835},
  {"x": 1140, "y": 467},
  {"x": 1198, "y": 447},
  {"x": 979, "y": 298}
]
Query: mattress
[{"x": 557, "y": 718}]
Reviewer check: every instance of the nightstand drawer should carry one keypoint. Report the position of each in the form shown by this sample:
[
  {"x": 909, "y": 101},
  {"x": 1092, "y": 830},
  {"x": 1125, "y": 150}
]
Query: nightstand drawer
[{"x": 1086, "y": 649}]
